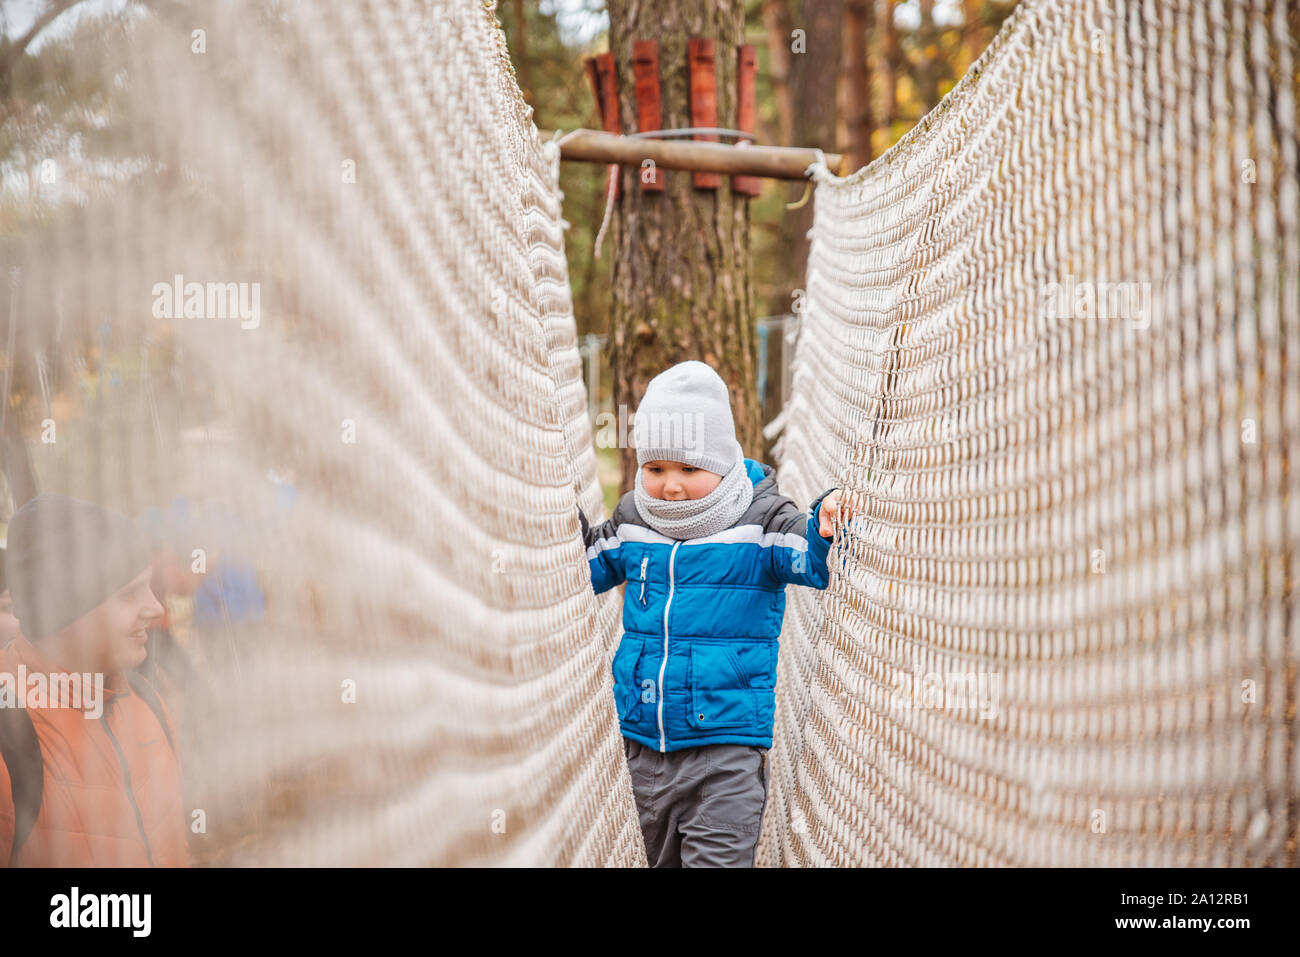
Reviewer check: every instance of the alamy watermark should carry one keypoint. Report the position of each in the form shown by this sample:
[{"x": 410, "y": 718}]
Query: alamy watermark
[
  {"x": 179, "y": 299},
  {"x": 949, "y": 691},
  {"x": 651, "y": 430},
  {"x": 1088, "y": 299},
  {"x": 64, "y": 689},
  {"x": 129, "y": 911}
]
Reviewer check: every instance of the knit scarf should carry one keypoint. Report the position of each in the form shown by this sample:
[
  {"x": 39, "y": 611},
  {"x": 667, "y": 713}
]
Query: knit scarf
[{"x": 696, "y": 518}]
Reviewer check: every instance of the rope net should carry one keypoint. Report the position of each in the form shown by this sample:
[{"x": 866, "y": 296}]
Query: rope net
[
  {"x": 1050, "y": 347},
  {"x": 1077, "y": 510},
  {"x": 386, "y": 422}
]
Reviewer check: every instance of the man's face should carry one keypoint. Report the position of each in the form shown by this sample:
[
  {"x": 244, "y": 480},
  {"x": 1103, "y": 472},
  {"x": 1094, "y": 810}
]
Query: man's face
[
  {"x": 112, "y": 635},
  {"x": 8, "y": 623},
  {"x": 677, "y": 482}
]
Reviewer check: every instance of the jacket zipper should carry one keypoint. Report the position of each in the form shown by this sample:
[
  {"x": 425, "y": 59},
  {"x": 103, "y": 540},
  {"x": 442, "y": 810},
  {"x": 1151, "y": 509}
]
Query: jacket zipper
[
  {"x": 644, "y": 562},
  {"x": 664, "y": 664},
  {"x": 130, "y": 795}
]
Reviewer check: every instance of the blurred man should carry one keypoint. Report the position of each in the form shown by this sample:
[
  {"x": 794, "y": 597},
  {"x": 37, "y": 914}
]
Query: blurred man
[
  {"x": 8, "y": 623},
  {"x": 83, "y": 782}
]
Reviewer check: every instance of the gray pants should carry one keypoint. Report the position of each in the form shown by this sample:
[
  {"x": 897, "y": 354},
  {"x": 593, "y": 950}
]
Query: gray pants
[{"x": 699, "y": 807}]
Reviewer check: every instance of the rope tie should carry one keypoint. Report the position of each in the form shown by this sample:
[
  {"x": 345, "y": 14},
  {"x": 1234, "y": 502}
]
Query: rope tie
[{"x": 609, "y": 208}]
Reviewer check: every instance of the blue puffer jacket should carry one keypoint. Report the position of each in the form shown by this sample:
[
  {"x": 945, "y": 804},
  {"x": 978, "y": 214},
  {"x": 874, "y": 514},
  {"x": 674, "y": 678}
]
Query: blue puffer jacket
[{"x": 696, "y": 663}]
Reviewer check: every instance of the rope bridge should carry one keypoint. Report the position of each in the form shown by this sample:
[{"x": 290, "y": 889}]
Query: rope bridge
[
  {"x": 1051, "y": 345},
  {"x": 1090, "y": 508}
]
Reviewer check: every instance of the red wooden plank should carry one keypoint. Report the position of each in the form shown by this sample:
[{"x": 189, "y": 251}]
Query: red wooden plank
[
  {"x": 606, "y": 83},
  {"x": 746, "y": 112},
  {"x": 649, "y": 109},
  {"x": 704, "y": 100}
]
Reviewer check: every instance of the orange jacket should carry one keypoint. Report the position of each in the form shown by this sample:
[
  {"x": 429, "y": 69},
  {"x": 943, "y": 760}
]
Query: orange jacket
[{"x": 112, "y": 795}]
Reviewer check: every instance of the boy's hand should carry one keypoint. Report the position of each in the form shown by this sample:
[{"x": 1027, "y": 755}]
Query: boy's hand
[{"x": 829, "y": 515}]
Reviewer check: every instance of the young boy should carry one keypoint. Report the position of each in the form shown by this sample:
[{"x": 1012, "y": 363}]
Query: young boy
[{"x": 706, "y": 544}]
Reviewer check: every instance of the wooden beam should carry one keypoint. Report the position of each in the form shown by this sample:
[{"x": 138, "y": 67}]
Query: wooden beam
[{"x": 772, "y": 162}]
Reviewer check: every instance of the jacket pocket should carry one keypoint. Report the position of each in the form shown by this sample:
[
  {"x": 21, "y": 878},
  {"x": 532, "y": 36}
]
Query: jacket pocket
[
  {"x": 720, "y": 692},
  {"x": 627, "y": 694}
]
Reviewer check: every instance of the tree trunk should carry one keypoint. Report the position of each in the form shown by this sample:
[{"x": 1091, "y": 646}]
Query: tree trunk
[
  {"x": 776, "y": 17},
  {"x": 857, "y": 86},
  {"x": 889, "y": 64},
  {"x": 927, "y": 72},
  {"x": 523, "y": 69},
  {"x": 680, "y": 280},
  {"x": 813, "y": 93}
]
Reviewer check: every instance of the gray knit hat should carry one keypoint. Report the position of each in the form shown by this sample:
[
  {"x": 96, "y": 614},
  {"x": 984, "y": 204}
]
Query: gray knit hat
[
  {"x": 685, "y": 416},
  {"x": 65, "y": 557}
]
